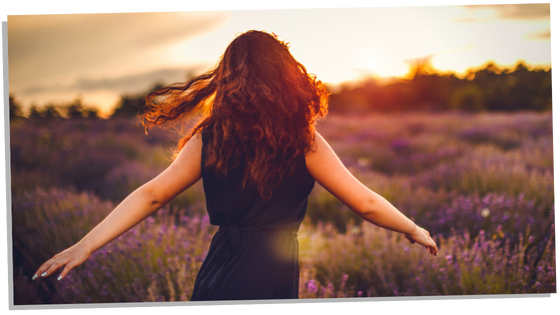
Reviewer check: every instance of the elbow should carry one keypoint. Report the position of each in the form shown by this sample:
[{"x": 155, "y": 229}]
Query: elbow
[
  {"x": 371, "y": 205},
  {"x": 151, "y": 197}
]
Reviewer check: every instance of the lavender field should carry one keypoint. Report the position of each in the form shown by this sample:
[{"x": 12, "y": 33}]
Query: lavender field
[{"x": 482, "y": 184}]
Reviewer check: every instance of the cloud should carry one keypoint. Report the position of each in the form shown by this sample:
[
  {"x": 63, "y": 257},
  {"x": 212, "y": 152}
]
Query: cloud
[
  {"x": 508, "y": 11},
  {"x": 136, "y": 83},
  {"x": 45, "y": 45},
  {"x": 543, "y": 35},
  {"x": 99, "y": 30}
]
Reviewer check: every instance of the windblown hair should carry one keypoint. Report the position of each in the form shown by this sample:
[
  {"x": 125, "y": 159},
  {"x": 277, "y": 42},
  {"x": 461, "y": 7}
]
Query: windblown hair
[{"x": 258, "y": 105}]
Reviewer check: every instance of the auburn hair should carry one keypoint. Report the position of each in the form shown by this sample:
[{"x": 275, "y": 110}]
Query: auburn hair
[{"x": 258, "y": 106}]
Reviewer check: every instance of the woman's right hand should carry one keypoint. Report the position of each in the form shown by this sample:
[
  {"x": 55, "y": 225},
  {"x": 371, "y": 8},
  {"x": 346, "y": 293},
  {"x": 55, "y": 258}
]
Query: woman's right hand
[
  {"x": 422, "y": 237},
  {"x": 69, "y": 258}
]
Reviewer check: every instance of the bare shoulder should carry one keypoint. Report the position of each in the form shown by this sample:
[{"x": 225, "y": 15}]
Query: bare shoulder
[
  {"x": 196, "y": 140},
  {"x": 327, "y": 169}
]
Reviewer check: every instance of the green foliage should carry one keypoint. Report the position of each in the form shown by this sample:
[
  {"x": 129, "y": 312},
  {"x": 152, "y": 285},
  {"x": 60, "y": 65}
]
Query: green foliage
[
  {"x": 488, "y": 88},
  {"x": 70, "y": 110},
  {"x": 76, "y": 110},
  {"x": 469, "y": 97},
  {"x": 130, "y": 104},
  {"x": 15, "y": 108}
]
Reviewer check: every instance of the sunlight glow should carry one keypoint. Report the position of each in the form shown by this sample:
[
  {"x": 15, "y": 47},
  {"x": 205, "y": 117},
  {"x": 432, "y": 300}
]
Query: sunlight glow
[{"x": 337, "y": 45}]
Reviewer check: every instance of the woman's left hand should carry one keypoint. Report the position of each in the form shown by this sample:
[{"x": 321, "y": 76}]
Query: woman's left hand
[{"x": 69, "y": 258}]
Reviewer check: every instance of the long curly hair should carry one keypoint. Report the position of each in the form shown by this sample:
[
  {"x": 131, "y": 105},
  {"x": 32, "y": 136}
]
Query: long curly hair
[{"x": 259, "y": 106}]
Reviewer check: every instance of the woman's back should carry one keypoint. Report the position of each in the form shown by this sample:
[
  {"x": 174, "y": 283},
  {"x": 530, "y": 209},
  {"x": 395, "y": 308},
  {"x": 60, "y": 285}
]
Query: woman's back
[
  {"x": 254, "y": 255},
  {"x": 256, "y": 149}
]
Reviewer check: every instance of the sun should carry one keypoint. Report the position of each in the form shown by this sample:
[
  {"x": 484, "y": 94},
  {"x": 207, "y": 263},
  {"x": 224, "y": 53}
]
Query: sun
[
  {"x": 371, "y": 64},
  {"x": 366, "y": 66},
  {"x": 381, "y": 68}
]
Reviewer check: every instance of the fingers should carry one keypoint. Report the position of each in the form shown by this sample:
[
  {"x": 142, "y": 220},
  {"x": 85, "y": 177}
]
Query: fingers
[
  {"x": 42, "y": 273},
  {"x": 50, "y": 269},
  {"x": 65, "y": 271},
  {"x": 435, "y": 250},
  {"x": 50, "y": 266},
  {"x": 432, "y": 250},
  {"x": 42, "y": 270},
  {"x": 432, "y": 246},
  {"x": 426, "y": 241}
]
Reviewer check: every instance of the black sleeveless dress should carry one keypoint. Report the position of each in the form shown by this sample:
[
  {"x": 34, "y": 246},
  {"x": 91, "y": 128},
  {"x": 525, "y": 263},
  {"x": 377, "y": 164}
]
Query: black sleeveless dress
[{"x": 254, "y": 254}]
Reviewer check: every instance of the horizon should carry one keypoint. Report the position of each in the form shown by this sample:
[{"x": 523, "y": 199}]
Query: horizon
[{"x": 104, "y": 56}]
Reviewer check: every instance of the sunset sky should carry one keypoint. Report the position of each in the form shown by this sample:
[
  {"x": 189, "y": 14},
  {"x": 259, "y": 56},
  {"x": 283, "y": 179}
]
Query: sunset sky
[{"x": 98, "y": 57}]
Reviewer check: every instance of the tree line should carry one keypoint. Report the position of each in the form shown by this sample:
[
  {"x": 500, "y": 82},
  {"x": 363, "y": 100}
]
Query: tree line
[{"x": 489, "y": 88}]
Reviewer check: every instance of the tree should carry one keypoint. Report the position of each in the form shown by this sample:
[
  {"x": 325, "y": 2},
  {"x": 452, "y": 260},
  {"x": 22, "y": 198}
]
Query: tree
[
  {"x": 34, "y": 113},
  {"x": 76, "y": 110},
  {"x": 91, "y": 113},
  {"x": 130, "y": 105},
  {"x": 51, "y": 111},
  {"x": 490, "y": 80},
  {"x": 15, "y": 108},
  {"x": 468, "y": 98},
  {"x": 420, "y": 66}
]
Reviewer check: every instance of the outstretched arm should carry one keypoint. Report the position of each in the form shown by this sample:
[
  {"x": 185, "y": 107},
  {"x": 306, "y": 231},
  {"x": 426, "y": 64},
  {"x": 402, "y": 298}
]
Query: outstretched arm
[
  {"x": 327, "y": 169},
  {"x": 180, "y": 175}
]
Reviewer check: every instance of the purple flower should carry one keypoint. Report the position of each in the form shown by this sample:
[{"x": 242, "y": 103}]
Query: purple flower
[
  {"x": 312, "y": 286},
  {"x": 400, "y": 145}
]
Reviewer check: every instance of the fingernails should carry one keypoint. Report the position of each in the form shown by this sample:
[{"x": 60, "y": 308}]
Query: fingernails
[
  {"x": 59, "y": 277},
  {"x": 44, "y": 274},
  {"x": 34, "y": 277}
]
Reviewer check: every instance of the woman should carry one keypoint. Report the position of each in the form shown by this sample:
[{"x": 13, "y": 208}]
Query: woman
[{"x": 257, "y": 151}]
